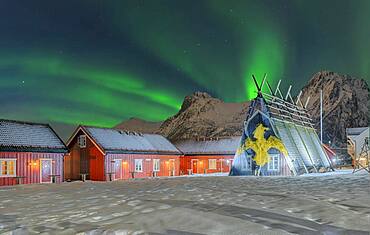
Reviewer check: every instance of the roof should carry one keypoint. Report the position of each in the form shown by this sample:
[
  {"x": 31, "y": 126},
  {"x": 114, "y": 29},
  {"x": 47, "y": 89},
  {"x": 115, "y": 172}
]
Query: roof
[
  {"x": 118, "y": 141},
  {"x": 356, "y": 130},
  {"x": 329, "y": 150},
  {"x": 213, "y": 147},
  {"x": 27, "y": 136}
]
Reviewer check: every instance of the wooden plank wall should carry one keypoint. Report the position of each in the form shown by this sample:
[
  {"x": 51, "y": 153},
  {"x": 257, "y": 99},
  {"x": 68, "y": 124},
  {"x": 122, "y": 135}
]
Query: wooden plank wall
[
  {"x": 128, "y": 164},
  {"x": 28, "y": 165},
  {"x": 203, "y": 163}
]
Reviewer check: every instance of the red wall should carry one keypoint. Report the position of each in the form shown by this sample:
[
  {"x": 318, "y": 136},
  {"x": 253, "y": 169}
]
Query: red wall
[
  {"x": 128, "y": 164},
  {"x": 186, "y": 163},
  {"x": 28, "y": 164},
  {"x": 94, "y": 164},
  {"x": 99, "y": 166}
]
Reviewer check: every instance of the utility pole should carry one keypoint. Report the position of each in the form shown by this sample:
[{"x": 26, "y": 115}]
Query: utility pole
[{"x": 321, "y": 115}]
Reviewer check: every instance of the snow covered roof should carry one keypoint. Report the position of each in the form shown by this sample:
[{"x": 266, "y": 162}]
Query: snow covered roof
[
  {"x": 216, "y": 146},
  {"x": 118, "y": 141},
  {"x": 26, "y": 136},
  {"x": 356, "y": 130}
]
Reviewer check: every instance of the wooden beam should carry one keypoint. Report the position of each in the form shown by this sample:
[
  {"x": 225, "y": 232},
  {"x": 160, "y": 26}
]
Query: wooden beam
[
  {"x": 263, "y": 81},
  {"x": 270, "y": 88},
  {"x": 299, "y": 99},
  {"x": 255, "y": 82},
  {"x": 287, "y": 94},
  {"x": 277, "y": 87},
  {"x": 308, "y": 100}
]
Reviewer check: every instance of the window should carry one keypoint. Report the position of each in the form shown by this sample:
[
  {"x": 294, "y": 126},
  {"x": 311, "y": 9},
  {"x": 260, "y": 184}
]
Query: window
[
  {"x": 246, "y": 163},
  {"x": 138, "y": 165},
  {"x": 273, "y": 163},
  {"x": 82, "y": 141},
  {"x": 8, "y": 167},
  {"x": 156, "y": 164},
  {"x": 212, "y": 164}
]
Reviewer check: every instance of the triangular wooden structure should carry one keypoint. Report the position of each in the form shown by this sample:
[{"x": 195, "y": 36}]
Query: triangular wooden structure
[{"x": 288, "y": 120}]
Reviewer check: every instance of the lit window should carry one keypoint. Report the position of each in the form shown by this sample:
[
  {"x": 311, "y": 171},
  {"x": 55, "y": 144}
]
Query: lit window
[
  {"x": 212, "y": 164},
  {"x": 8, "y": 167},
  {"x": 82, "y": 141},
  {"x": 138, "y": 165},
  {"x": 156, "y": 164},
  {"x": 273, "y": 163}
]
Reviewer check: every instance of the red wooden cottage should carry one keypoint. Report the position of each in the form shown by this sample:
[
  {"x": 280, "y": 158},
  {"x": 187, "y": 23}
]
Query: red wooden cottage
[
  {"x": 104, "y": 154},
  {"x": 30, "y": 153},
  {"x": 207, "y": 156}
]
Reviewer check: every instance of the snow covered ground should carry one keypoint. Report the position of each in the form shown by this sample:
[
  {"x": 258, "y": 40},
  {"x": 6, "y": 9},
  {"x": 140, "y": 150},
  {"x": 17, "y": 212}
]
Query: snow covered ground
[{"x": 326, "y": 204}]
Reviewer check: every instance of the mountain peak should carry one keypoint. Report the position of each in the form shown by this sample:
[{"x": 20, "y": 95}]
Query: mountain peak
[
  {"x": 201, "y": 95},
  {"x": 196, "y": 98},
  {"x": 345, "y": 101},
  {"x": 139, "y": 125}
]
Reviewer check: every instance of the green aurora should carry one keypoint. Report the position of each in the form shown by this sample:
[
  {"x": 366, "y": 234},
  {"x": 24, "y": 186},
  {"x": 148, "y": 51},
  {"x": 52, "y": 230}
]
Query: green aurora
[{"x": 99, "y": 63}]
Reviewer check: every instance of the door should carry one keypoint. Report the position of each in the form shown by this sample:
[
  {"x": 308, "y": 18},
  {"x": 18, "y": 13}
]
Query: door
[
  {"x": 45, "y": 170},
  {"x": 117, "y": 169},
  {"x": 172, "y": 167},
  {"x": 194, "y": 166}
]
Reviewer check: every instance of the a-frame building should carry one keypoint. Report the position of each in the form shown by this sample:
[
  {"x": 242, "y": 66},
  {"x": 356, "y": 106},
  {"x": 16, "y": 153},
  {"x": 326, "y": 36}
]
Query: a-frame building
[{"x": 278, "y": 137}]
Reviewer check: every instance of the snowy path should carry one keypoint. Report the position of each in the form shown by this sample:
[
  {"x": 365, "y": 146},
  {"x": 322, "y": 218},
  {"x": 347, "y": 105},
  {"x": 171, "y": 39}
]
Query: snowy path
[{"x": 332, "y": 204}]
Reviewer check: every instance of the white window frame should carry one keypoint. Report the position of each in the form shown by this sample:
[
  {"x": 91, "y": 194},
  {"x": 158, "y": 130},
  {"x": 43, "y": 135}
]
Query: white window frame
[
  {"x": 8, "y": 160},
  {"x": 271, "y": 166},
  {"x": 156, "y": 165},
  {"x": 82, "y": 141},
  {"x": 138, "y": 165},
  {"x": 214, "y": 162},
  {"x": 248, "y": 162}
]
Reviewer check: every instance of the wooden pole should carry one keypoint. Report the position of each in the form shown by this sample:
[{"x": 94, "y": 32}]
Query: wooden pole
[{"x": 321, "y": 116}]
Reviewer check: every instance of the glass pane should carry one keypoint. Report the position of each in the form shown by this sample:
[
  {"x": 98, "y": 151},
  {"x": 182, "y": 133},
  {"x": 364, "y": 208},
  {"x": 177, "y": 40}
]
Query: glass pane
[
  {"x": 3, "y": 167},
  {"x": 10, "y": 167}
]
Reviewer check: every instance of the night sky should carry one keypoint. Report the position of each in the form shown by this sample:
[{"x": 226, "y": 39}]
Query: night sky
[{"x": 101, "y": 62}]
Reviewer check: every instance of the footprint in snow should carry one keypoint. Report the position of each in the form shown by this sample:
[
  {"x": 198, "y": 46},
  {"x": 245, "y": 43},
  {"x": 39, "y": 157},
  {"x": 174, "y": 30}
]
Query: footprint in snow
[
  {"x": 134, "y": 203},
  {"x": 147, "y": 210},
  {"x": 119, "y": 214},
  {"x": 164, "y": 207},
  {"x": 293, "y": 210}
]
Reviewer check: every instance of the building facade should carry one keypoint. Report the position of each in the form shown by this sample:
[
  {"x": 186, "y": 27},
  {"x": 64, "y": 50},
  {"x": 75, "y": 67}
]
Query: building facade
[
  {"x": 358, "y": 146},
  {"x": 207, "y": 156},
  {"x": 30, "y": 153},
  {"x": 104, "y": 154}
]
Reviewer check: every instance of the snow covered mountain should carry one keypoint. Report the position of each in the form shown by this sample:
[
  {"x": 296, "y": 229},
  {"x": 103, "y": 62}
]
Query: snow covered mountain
[
  {"x": 203, "y": 116},
  {"x": 139, "y": 125},
  {"x": 345, "y": 104}
]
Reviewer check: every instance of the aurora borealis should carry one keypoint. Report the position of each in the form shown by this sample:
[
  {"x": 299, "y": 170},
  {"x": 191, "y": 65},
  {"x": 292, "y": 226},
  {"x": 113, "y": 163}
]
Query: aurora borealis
[{"x": 101, "y": 62}]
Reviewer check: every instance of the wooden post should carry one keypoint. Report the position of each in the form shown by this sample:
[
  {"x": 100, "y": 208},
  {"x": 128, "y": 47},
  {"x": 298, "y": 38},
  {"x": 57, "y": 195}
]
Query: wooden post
[{"x": 321, "y": 116}]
